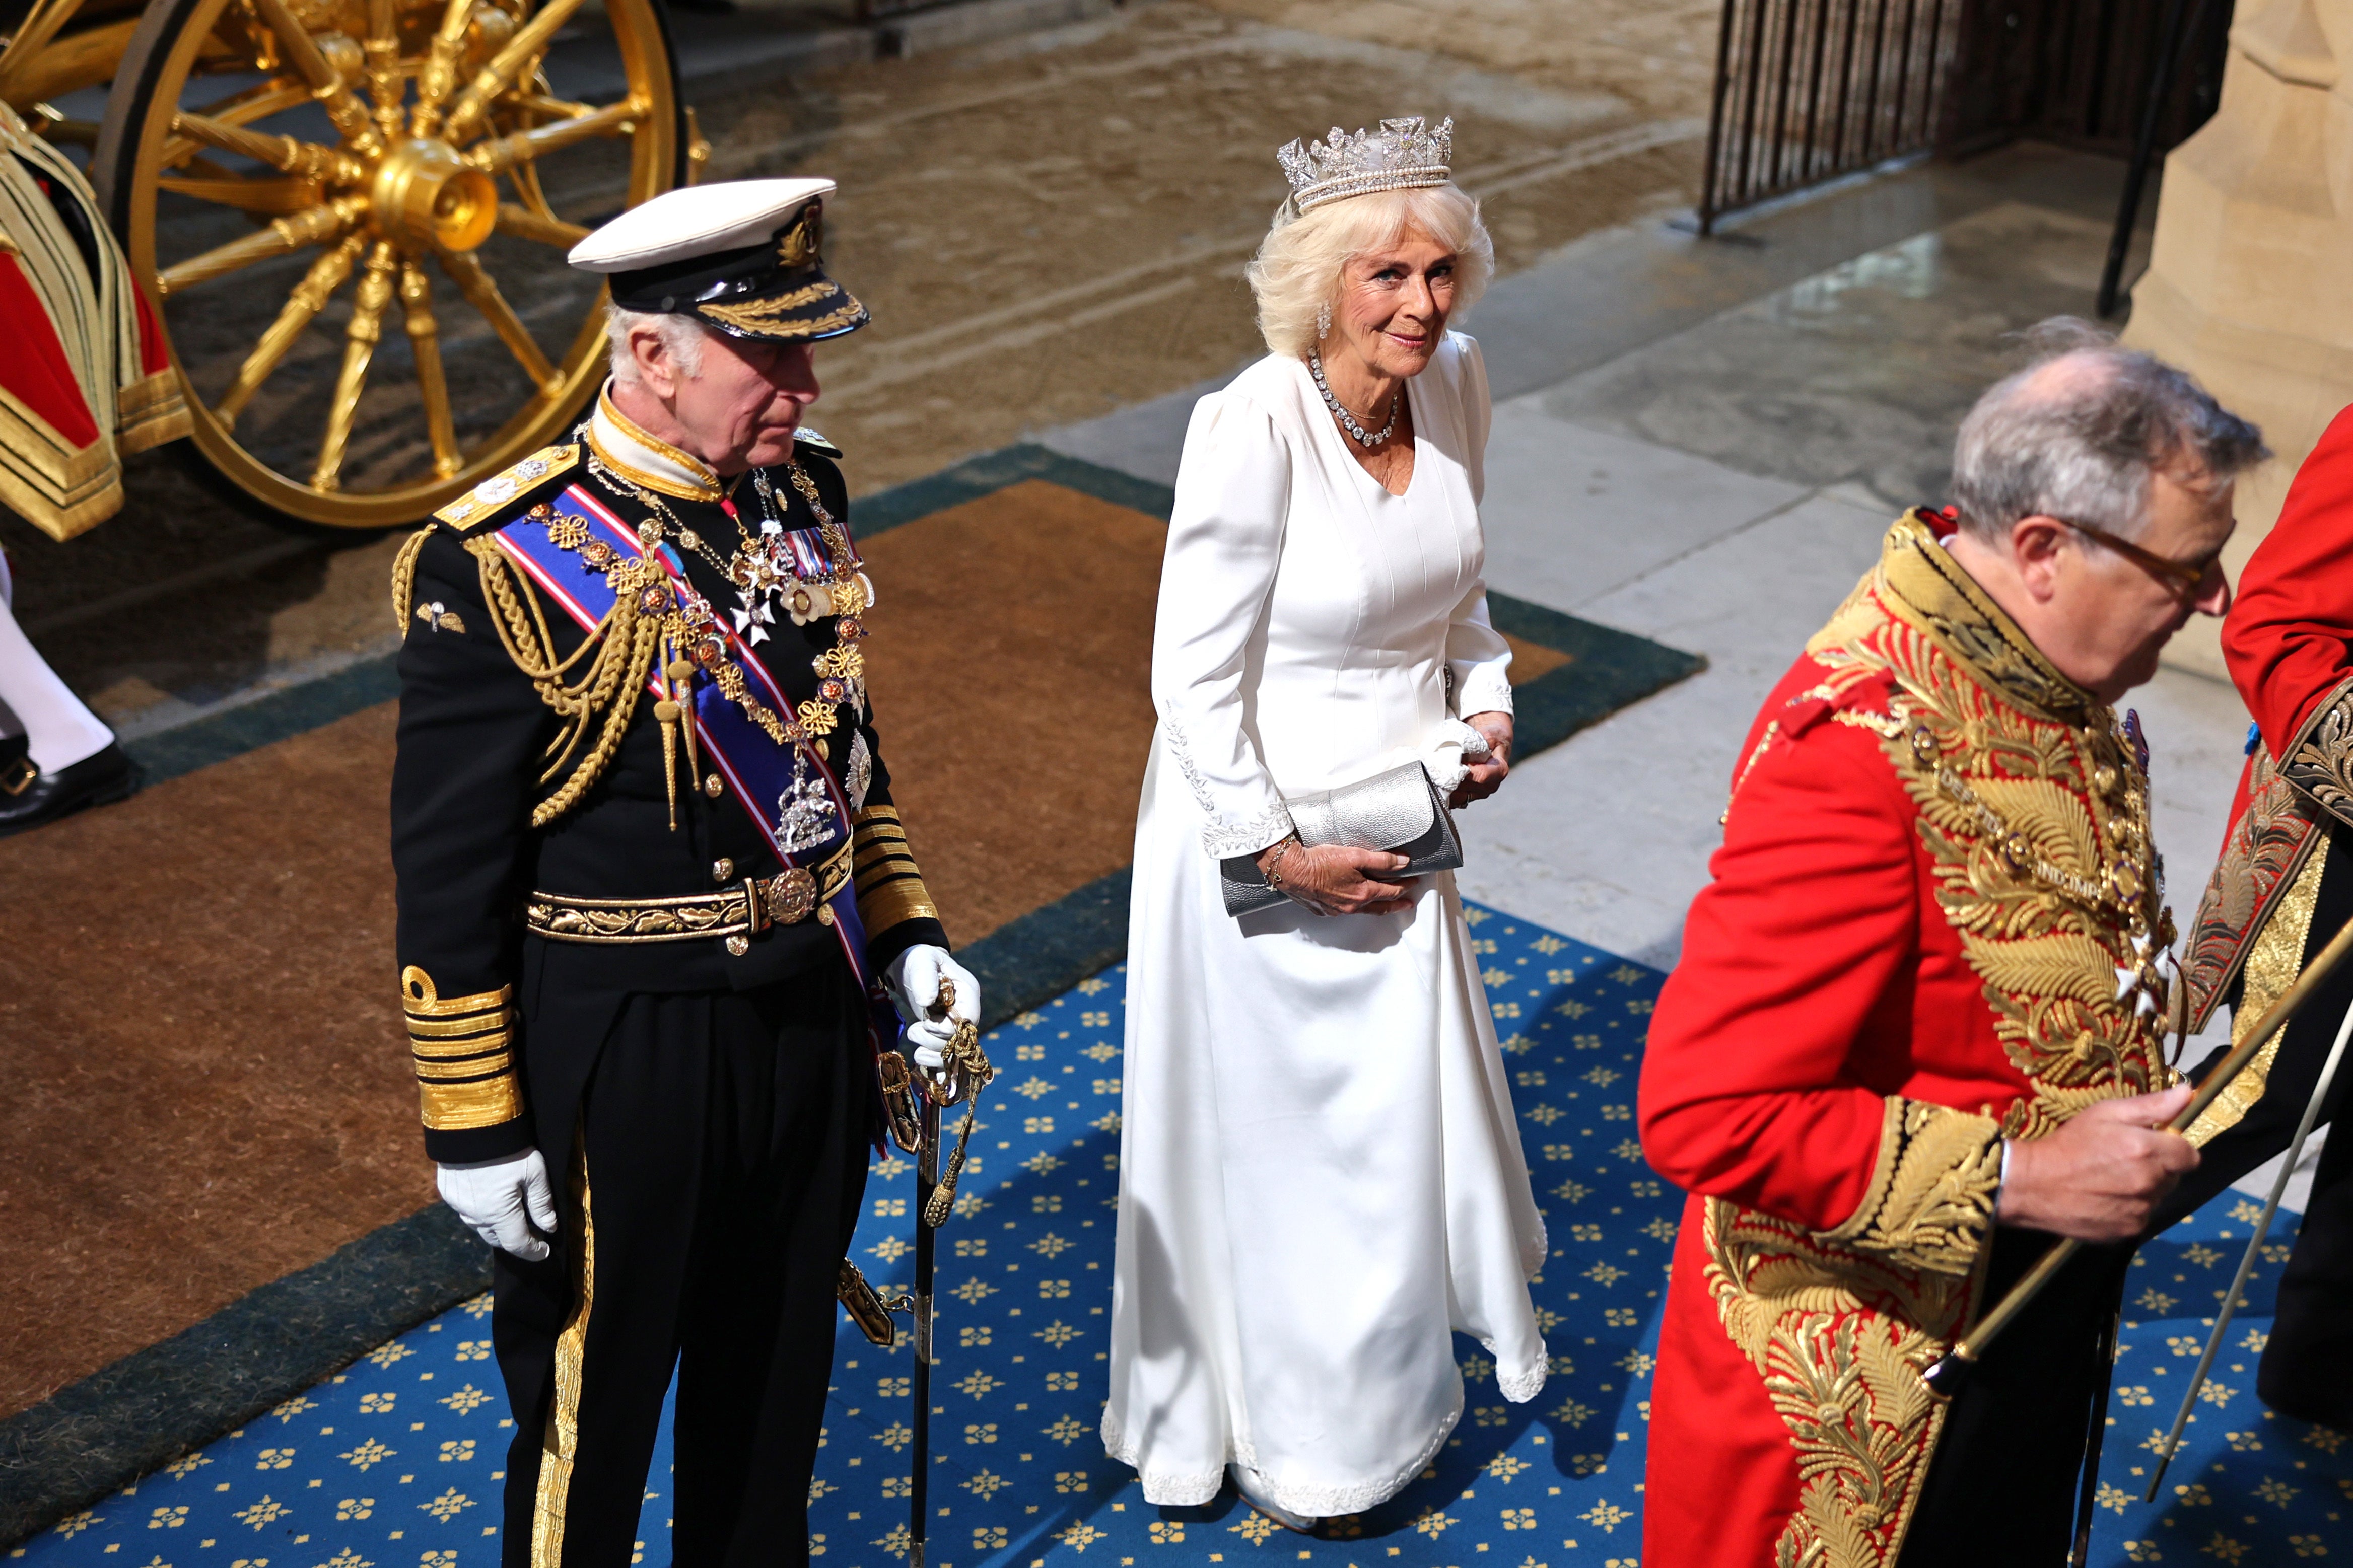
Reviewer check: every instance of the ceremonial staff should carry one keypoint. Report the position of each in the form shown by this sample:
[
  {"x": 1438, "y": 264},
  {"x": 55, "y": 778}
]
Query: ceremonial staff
[{"x": 1951, "y": 1373}]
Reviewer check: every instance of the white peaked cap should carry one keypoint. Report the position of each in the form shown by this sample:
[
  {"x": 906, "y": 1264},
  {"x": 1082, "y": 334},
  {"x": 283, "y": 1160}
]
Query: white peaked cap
[{"x": 696, "y": 220}]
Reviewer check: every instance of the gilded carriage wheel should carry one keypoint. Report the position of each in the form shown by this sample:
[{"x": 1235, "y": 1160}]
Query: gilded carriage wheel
[{"x": 353, "y": 216}]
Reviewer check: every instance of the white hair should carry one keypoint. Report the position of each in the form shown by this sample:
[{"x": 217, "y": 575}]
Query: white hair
[
  {"x": 2080, "y": 432},
  {"x": 1296, "y": 272},
  {"x": 683, "y": 335}
]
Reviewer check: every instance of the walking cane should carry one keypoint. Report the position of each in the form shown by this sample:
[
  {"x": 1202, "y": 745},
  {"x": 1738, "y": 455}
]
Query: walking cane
[
  {"x": 1951, "y": 1372},
  {"x": 2247, "y": 1259}
]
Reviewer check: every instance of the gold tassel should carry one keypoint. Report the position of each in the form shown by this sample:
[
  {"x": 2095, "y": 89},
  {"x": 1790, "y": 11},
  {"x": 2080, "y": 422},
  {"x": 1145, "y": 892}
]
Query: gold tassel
[
  {"x": 667, "y": 711},
  {"x": 681, "y": 675}
]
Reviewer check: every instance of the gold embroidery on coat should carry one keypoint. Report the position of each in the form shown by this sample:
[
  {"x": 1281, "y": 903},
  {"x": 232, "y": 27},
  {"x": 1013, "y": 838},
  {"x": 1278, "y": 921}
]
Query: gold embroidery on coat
[
  {"x": 1764, "y": 744},
  {"x": 2267, "y": 847},
  {"x": 2036, "y": 821},
  {"x": 1841, "y": 1341},
  {"x": 2034, "y": 816},
  {"x": 2273, "y": 961},
  {"x": 2320, "y": 762},
  {"x": 1932, "y": 1192}
]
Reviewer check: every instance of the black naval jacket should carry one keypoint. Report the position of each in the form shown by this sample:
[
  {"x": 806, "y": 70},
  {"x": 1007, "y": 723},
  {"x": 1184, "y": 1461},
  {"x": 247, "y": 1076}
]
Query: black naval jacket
[{"x": 474, "y": 736}]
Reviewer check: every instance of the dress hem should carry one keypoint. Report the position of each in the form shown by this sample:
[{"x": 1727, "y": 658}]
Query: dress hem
[{"x": 1190, "y": 1489}]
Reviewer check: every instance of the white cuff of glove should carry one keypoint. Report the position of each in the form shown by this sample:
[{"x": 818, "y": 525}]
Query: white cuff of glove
[{"x": 503, "y": 1200}]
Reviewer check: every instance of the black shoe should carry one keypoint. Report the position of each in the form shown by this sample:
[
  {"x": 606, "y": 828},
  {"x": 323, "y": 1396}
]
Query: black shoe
[{"x": 29, "y": 797}]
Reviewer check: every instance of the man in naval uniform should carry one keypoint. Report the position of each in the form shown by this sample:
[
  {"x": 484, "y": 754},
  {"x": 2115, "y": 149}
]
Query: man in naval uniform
[{"x": 649, "y": 874}]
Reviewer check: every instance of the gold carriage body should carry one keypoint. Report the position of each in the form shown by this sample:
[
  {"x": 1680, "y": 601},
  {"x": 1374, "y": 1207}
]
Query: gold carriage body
[{"x": 351, "y": 216}]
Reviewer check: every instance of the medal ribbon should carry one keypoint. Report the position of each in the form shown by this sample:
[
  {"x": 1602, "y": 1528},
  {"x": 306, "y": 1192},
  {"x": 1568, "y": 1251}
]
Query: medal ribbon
[{"x": 759, "y": 772}]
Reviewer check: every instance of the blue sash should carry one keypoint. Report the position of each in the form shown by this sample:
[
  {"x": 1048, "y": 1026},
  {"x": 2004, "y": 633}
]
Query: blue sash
[{"x": 760, "y": 774}]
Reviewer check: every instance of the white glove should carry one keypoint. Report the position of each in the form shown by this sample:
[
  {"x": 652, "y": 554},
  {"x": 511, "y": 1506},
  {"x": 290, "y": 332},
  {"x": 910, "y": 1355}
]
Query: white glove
[
  {"x": 500, "y": 1201},
  {"x": 913, "y": 980}
]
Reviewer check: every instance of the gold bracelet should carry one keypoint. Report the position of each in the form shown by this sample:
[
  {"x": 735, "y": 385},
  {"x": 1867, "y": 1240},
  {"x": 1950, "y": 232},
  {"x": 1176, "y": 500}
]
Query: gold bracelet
[{"x": 1274, "y": 866}]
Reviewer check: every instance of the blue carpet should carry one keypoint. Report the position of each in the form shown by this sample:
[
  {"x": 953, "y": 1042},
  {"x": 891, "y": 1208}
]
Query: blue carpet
[{"x": 397, "y": 1463}]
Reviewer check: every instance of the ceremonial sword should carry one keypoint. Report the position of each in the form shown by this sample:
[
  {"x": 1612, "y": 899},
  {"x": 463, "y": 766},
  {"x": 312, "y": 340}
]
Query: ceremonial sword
[
  {"x": 1951, "y": 1372},
  {"x": 964, "y": 1073}
]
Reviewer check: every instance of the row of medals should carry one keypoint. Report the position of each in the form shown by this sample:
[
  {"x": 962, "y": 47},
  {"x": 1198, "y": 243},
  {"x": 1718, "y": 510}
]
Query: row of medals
[{"x": 764, "y": 574}]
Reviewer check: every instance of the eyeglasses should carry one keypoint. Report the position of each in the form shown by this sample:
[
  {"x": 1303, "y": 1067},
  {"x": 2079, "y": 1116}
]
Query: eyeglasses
[{"x": 2190, "y": 574}]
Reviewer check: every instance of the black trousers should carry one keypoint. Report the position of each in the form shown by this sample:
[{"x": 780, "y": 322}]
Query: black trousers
[
  {"x": 2306, "y": 1370},
  {"x": 2001, "y": 1487},
  {"x": 716, "y": 1163}
]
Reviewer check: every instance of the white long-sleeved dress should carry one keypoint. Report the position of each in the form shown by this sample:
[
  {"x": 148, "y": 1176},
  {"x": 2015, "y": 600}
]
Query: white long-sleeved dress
[{"x": 1320, "y": 1172}]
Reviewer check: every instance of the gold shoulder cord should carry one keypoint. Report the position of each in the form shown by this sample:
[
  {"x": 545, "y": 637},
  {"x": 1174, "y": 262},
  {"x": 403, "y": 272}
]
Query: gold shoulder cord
[
  {"x": 404, "y": 576},
  {"x": 625, "y": 645}
]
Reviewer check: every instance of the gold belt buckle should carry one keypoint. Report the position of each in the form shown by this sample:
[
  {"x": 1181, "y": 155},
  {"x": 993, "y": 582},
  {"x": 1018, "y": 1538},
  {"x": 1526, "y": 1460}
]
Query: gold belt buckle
[
  {"x": 19, "y": 776},
  {"x": 785, "y": 898}
]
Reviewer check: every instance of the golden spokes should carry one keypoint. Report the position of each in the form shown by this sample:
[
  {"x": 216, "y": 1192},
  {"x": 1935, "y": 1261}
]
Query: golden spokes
[{"x": 400, "y": 182}]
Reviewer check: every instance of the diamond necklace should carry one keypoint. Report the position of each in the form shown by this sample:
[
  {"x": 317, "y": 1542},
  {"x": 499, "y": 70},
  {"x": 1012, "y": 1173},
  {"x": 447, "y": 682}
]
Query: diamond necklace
[{"x": 1362, "y": 436}]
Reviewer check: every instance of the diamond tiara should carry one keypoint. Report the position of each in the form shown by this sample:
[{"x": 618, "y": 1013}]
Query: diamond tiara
[{"x": 1402, "y": 154}]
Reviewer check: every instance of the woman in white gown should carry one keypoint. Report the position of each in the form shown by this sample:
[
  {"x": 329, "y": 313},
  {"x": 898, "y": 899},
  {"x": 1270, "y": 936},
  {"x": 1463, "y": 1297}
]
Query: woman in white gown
[{"x": 1321, "y": 1175}]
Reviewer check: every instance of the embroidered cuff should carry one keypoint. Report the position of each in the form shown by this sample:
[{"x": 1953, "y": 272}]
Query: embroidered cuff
[
  {"x": 1932, "y": 1190},
  {"x": 891, "y": 889},
  {"x": 2319, "y": 762},
  {"x": 464, "y": 1051},
  {"x": 1485, "y": 692},
  {"x": 1226, "y": 839}
]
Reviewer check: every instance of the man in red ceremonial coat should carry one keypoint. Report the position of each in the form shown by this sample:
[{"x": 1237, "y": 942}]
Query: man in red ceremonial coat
[
  {"x": 2284, "y": 887},
  {"x": 1916, "y": 1031}
]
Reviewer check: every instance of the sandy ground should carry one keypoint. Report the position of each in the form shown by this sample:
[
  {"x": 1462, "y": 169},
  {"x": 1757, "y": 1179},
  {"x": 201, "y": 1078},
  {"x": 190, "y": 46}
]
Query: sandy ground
[
  {"x": 1047, "y": 228},
  {"x": 1055, "y": 227}
]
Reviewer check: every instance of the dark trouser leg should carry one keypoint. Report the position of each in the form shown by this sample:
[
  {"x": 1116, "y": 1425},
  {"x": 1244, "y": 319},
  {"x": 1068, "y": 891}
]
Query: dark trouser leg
[
  {"x": 785, "y": 1175},
  {"x": 588, "y": 1339},
  {"x": 722, "y": 1141},
  {"x": 2001, "y": 1486},
  {"x": 2307, "y": 1369}
]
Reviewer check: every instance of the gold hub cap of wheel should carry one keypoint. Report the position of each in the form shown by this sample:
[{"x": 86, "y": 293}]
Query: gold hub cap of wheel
[{"x": 426, "y": 196}]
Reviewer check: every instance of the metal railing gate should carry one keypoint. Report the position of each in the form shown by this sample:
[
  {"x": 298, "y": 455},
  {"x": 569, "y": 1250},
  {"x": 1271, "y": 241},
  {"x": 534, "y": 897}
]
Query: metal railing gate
[{"x": 1808, "y": 91}]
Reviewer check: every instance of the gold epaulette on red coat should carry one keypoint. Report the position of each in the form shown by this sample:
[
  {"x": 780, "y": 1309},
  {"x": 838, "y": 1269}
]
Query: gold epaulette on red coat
[
  {"x": 891, "y": 889},
  {"x": 464, "y": 1050},
  {"x": 2033, "y": 809}
]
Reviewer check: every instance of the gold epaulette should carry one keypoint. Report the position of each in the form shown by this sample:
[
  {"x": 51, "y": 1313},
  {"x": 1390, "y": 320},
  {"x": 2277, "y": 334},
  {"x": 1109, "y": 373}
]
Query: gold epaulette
[
  {"x": 495, "y": 494},
  {"x": 464, "y": 1053},
  {"x": 891, "y": 889}
]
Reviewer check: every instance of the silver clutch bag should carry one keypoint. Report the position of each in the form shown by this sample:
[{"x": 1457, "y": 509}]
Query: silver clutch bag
[{"x": 1399, "y": 811}]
